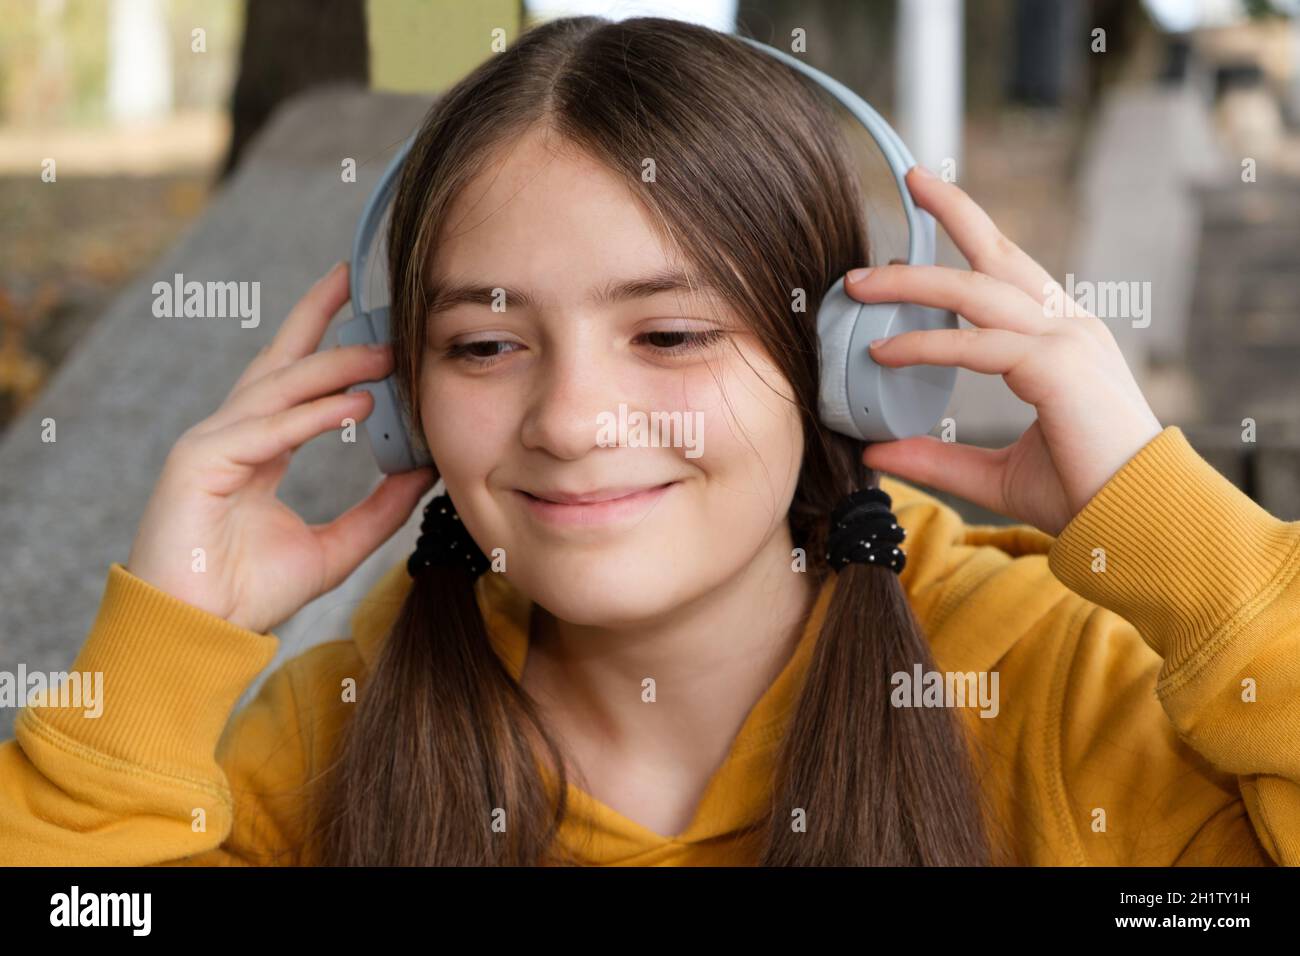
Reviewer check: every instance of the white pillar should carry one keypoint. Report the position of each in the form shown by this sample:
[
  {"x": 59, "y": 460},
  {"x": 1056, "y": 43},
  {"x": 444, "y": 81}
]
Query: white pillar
[
  {"x": 929, "y": 82},
  {"x": 139, "y": 61}
]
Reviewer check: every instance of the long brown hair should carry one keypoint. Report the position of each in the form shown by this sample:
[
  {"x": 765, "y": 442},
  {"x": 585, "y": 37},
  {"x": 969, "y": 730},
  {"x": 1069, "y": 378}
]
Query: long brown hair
[{"x": 755, "y": 188}]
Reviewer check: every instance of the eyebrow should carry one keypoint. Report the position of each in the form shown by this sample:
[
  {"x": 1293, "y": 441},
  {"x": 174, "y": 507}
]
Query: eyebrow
[{"x": 450, "y": 294}]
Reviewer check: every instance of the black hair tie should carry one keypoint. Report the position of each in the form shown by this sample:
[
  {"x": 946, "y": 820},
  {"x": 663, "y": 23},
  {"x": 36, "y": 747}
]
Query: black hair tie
[
  {"x": 445, "y": 542},
  {"x": 864, "y": 531}
]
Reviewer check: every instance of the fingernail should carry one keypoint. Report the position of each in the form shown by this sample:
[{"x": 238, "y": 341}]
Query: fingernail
[
  {"x": 857, "y": 275},
  {"x": 924, "y": 172},
  {"x": 876, "y": 343}
]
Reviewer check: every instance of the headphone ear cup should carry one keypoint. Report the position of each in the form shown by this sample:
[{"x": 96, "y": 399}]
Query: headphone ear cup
[
  {"x": 863, "y": 399},
  {"x": 387, "y": 426},
  {"x": 389, "y": 430}
]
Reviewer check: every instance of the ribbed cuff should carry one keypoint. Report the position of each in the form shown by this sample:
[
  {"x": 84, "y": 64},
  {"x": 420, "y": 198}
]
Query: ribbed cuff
[
  {"x": 1185, "y": 550},
  {"x": 172, "y": 674}
]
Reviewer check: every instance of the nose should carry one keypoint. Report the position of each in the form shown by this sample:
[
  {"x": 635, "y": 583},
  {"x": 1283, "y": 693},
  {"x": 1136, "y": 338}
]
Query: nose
[{"x": 575, "y": 381}]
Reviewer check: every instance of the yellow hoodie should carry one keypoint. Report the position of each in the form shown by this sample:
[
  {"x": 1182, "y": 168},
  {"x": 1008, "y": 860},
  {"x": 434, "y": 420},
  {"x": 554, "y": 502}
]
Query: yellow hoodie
[{"x": 1173, "y": 739}]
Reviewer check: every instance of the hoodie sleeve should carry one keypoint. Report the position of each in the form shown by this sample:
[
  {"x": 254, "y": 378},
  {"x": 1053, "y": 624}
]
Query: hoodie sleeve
[
  {"x": 161, "y": 774},
  {"x": 1174, "y": 712}
]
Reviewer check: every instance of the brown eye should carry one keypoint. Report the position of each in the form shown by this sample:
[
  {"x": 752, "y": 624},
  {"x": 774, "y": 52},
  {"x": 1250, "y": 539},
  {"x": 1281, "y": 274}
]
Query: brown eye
[
  {"x": 671, "y": 343},
  {"x": 482, "y": 352}
]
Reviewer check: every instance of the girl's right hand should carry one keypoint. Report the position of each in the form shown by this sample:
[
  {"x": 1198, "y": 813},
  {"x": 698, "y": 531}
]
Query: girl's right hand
[{"x": 217, "y": 490}]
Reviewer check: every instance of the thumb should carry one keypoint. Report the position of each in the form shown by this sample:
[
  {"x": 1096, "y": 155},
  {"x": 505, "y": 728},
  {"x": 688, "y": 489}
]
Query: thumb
[
  {"x": 967, "y": 471},
  {"x": 351, "y": 537}
]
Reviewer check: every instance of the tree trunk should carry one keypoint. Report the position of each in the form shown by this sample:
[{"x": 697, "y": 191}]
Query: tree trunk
[{"x": 288, "y": 46}]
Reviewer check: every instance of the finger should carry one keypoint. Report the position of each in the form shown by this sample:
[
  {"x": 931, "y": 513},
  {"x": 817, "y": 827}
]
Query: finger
[
  {"x": 991, "y": 351},
  {"x": 254, "y": 441},
  {"x": 967, "y": 471},
  {"x": 977, "y": 236},
  {"x": 350, "y": 538},
  {"x": 984, "y": 301},
  {"x": 318, "y": 374},
  {"x": 303, "y": 328}
]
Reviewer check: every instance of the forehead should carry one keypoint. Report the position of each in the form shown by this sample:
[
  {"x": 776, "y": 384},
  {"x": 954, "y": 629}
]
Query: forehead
[{"x": 550, "y": 216}]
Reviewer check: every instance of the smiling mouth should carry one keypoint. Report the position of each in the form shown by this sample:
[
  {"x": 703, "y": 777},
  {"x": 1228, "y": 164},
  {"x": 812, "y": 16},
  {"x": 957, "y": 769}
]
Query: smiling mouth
[
  {"x": 588, "y": 512},
  {"x": 596, "y": 497}
]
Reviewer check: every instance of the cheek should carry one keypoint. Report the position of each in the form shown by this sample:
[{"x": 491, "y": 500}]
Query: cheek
[
  {"x": 465, "y": 435},
  {"x": 752, "y": 436}
]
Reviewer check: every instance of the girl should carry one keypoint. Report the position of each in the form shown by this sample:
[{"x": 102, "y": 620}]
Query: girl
[{"x": 662, "y": 666}]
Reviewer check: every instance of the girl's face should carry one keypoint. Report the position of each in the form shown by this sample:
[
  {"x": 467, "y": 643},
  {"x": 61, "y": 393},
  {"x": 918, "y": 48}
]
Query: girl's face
[{"x": 565, "y": 315}]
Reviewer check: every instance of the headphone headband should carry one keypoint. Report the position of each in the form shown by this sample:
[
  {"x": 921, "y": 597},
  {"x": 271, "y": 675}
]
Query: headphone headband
[
  {"x": 920, "y": 224},
  {"x": 371, "y": 216}
]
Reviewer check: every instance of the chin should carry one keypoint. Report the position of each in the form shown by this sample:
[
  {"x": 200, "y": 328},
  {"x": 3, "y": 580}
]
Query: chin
[{"x": 607, "y": 592}]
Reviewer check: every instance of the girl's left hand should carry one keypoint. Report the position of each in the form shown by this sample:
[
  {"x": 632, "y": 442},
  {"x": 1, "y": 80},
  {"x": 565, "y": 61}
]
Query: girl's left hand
[{"x": 1092, "y": 418}]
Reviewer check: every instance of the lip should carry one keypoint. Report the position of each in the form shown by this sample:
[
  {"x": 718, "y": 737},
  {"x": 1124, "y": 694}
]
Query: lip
[
  {"x": 594, "y": 508},
  {"x": 593, "y": 497}
]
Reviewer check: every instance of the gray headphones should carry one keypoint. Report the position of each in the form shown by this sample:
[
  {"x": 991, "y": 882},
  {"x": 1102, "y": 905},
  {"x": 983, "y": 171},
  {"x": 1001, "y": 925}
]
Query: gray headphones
[{"x": 859, "y": 398}]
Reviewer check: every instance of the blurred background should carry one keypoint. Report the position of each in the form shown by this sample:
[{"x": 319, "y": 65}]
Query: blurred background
[{"x": 1150, "y": 143}]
